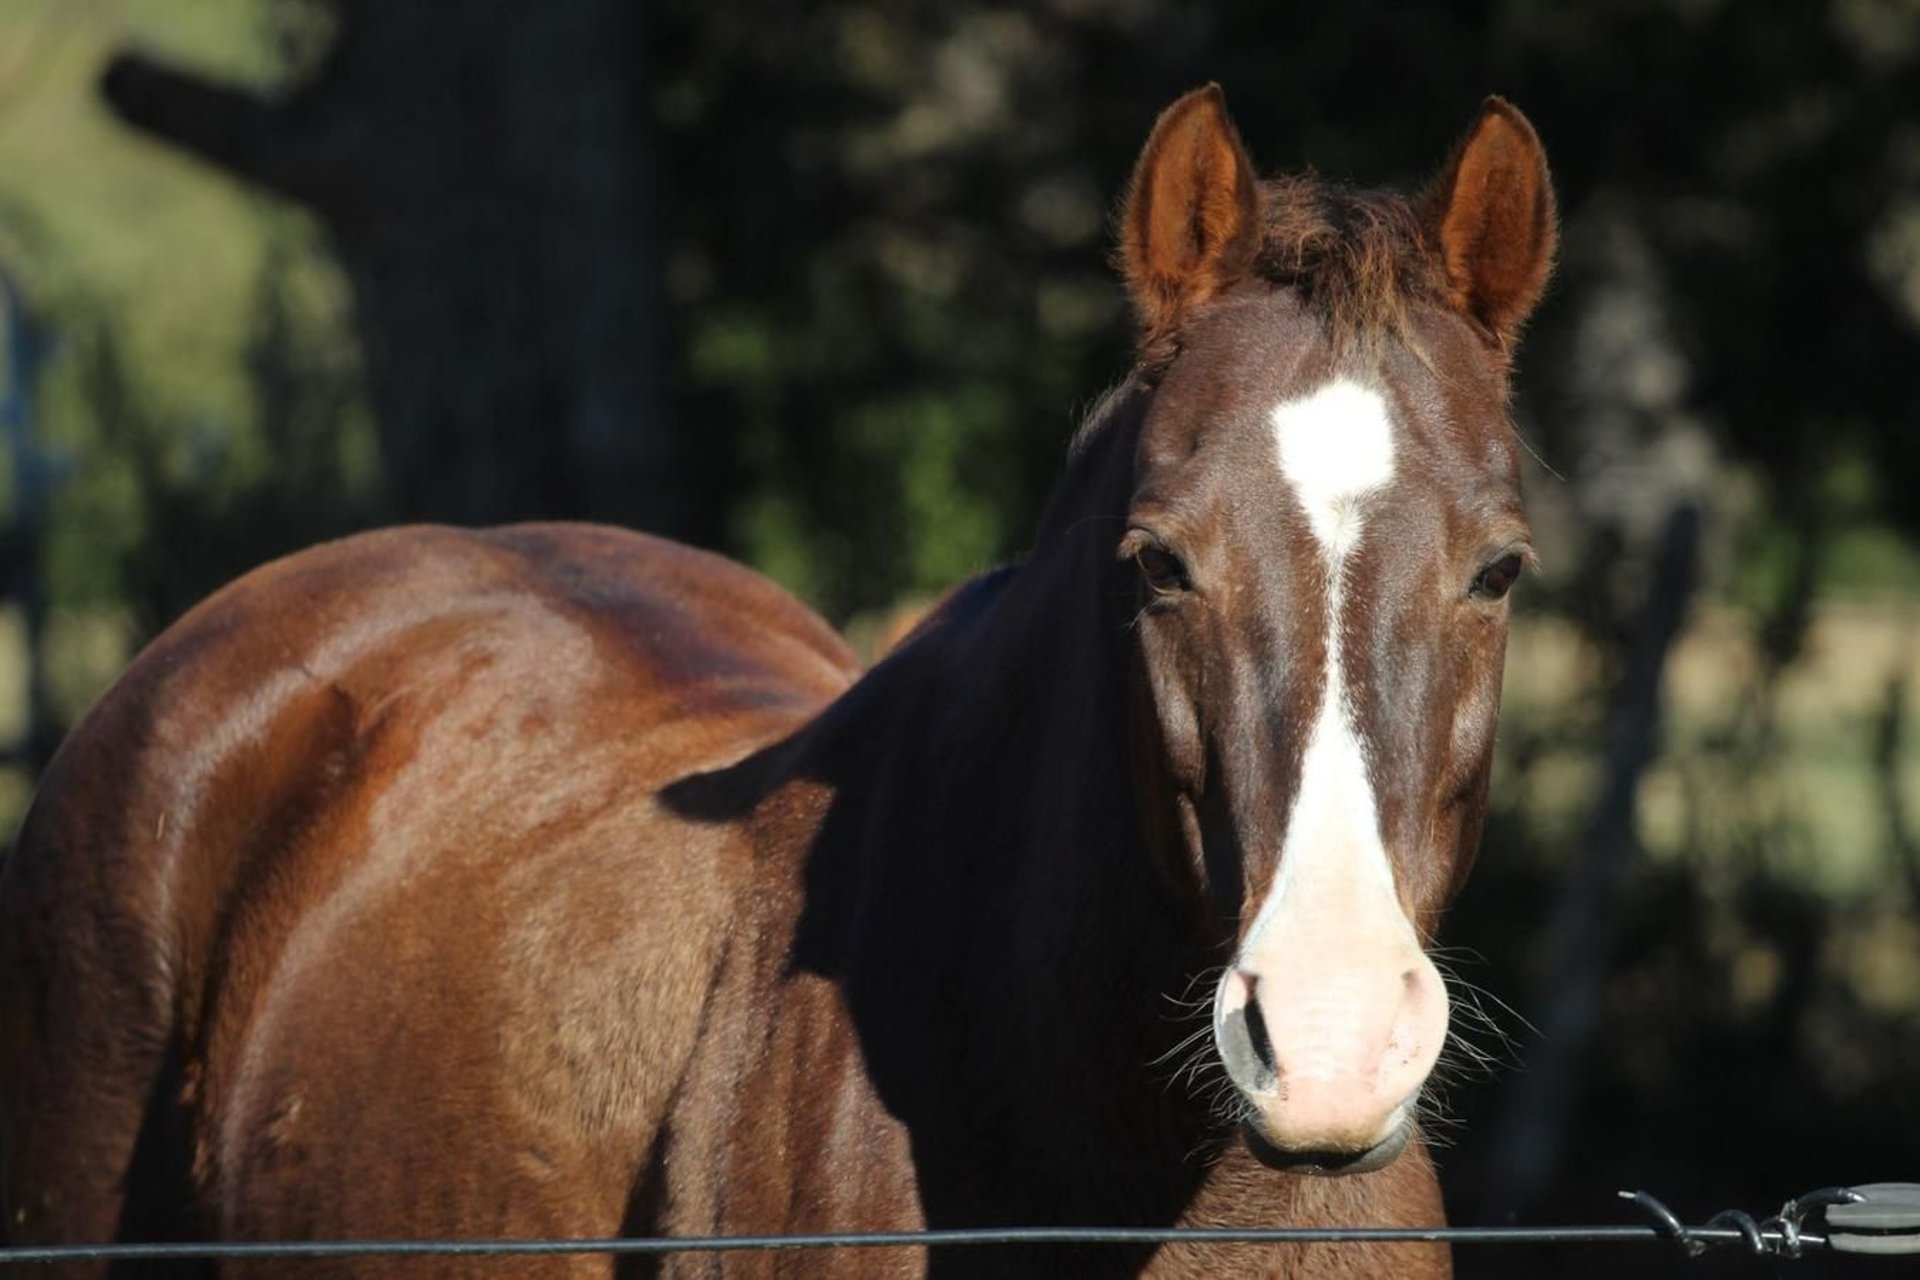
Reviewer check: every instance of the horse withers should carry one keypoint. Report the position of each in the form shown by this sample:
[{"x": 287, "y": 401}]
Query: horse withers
[{"x": 561, "y": 881}]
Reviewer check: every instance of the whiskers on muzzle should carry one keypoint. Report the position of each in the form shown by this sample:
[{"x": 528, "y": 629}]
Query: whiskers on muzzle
[
  {"x": 1193, "y": 1065},
  {"x": 1484, "y": 1036},
  {"x": 1479, "y": 1044}
]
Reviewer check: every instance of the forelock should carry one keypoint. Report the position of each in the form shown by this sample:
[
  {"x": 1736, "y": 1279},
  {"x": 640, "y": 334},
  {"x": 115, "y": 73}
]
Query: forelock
[{"x": 1357, "y": 258}]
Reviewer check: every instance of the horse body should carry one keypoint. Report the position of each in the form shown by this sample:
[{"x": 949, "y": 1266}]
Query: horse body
[
  {"x": 556, "y": 881},
  {"x": 351, "y": 821},
  {"x": 492, "y": 776}
]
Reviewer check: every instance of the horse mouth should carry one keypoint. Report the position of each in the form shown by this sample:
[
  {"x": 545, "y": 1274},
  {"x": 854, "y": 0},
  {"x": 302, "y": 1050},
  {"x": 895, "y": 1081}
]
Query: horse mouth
[{"x": 1327, "y": 1164}]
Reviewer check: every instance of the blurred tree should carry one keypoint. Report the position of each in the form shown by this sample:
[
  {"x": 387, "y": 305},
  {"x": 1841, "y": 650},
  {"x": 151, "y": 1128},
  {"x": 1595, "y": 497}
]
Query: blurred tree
[
  {"x": 485, "y": 171},
  {"x": 32, "y": 470},
  {"x": 210, "y": 510}
]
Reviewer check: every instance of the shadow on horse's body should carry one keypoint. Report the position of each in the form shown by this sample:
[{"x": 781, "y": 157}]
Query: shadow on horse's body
[{"x": 559, "y": 881}]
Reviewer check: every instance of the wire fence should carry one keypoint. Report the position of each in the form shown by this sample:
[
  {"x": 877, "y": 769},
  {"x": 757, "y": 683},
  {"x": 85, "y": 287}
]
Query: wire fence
[{"x": 1881, "y": 1218}]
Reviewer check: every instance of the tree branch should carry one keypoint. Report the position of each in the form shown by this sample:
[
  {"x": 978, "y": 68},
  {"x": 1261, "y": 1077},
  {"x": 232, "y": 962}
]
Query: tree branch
[{"x": 288, "y": 147}]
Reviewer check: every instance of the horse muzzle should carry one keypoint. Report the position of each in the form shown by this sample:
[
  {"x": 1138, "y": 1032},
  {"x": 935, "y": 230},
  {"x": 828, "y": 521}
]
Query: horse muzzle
[{"x": 1330, "y": 1049}]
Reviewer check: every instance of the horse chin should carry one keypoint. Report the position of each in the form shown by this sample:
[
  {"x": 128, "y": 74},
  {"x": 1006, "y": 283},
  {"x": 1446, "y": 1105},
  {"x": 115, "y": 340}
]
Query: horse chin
[{"x": 1328, "y": 1164}]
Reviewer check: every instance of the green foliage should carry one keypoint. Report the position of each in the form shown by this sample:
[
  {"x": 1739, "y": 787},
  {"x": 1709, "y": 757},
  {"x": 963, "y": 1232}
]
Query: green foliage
[
  {"x": 202, "y": 394},
  {"x": 100, "y": 223}
]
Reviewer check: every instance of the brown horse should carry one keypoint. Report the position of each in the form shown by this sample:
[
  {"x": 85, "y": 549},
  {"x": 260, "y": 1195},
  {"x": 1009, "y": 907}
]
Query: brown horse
[{"x": 560, "y": 881}]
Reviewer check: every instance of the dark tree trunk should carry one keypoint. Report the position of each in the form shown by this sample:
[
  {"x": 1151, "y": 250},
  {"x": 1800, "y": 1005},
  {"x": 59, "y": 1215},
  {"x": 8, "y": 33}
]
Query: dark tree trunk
[
  {"x": 485, "y": 170},
  {"x": 1531, "y": 1138}
]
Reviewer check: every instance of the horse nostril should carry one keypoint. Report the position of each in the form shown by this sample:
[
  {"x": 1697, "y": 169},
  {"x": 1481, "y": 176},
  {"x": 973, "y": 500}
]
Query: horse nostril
[
  {"x": 1245, "y": 1048},
  {"x": 1262, "y": 1047}
]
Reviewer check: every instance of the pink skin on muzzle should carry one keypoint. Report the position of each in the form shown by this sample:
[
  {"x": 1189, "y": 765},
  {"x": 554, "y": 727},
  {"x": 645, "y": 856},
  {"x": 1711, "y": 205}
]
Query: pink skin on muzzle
[{"x": 1329, "y": 1023}]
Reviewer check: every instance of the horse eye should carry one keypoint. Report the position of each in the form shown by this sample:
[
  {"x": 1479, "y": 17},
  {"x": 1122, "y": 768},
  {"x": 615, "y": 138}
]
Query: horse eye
[
  {"x": 1494, "y": 581},
  {"x": 1161, "y": 568}
]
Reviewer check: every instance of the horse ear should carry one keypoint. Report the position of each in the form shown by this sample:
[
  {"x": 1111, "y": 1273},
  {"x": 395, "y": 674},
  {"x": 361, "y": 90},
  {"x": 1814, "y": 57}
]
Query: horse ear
[
  {"x": 1491, "y": 213},
  {"x": 1190, "y": 225}
]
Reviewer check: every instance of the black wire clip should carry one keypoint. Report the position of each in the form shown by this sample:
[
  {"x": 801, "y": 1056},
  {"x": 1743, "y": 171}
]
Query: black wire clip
[{"x": 1875, "y": 1218}]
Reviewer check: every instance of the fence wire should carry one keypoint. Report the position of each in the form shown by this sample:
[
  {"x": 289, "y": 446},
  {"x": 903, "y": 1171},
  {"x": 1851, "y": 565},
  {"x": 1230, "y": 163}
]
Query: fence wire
[{"x": 1785, "y": 1235}]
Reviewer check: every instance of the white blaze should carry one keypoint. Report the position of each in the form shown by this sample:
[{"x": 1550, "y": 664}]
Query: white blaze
[
  {"x": 1335, "y": 449},
  {"x": 1353, "y": 1010}
]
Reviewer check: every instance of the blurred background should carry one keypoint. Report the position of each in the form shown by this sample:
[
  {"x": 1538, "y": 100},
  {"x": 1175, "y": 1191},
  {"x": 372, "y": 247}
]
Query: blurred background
[{"x": 823, "y": 285}]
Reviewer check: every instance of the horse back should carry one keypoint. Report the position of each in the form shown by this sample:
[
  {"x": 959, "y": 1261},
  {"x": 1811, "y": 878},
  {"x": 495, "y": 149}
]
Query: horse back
[{"x": 385, "y": 810}]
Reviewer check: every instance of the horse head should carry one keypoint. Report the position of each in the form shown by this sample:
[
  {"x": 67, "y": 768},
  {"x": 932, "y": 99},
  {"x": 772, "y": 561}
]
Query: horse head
[{"x": 1324, "y": 526}]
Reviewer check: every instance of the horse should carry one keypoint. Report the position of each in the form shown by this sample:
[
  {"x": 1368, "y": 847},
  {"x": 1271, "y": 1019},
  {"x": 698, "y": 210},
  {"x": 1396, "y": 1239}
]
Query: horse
[{"x": 559, "y": 881}]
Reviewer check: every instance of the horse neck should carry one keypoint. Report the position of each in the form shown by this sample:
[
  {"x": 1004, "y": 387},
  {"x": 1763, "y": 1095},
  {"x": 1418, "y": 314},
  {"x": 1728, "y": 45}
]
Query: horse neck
[{"x": 999, "y": 851}]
